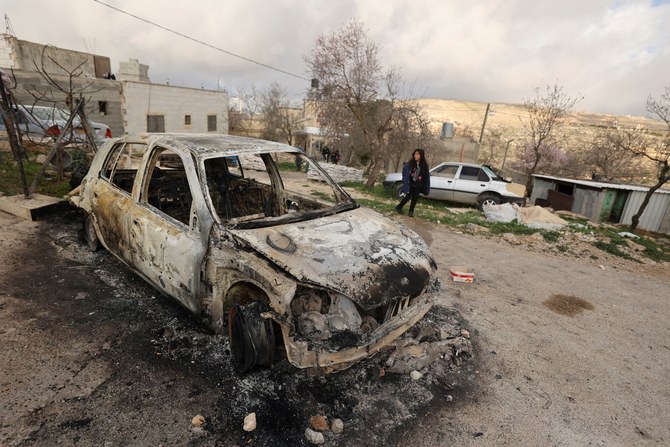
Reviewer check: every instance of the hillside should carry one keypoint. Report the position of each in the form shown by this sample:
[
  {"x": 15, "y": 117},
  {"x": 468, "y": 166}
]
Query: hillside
[{"x": 471, "y": 114}]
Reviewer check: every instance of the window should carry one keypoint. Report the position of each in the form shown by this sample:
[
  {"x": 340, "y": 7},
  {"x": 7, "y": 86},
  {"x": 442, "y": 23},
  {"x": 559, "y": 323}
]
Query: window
[
  {"x": 122, "y": 164},
  {"x": 102, "y": 107},
  {"x": 483, "y": 176},
  {"x": 469, "y": 173},
  {"x": 168, "y": 189},
  {"x": 211, "y": 123},
  {"x": 155, "y": 123},
  {"x": 187, "y": 120},
  {"x": 446, "y": 171}
]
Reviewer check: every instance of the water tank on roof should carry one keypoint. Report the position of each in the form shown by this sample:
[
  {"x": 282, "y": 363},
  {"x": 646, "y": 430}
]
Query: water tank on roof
[{"x": 447, "y": 130}]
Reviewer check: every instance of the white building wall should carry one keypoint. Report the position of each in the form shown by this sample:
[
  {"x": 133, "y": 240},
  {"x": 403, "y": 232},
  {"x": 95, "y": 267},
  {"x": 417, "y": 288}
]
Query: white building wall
[
  {"x": 8, "y": 49},
  {"x": 174, "y": 103}
]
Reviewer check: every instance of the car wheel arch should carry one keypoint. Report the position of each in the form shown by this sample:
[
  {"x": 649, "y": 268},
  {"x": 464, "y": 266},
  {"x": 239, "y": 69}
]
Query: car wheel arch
[
  {"x": 489, "y": 197},
  {"x": 252, "y": 339},
  {"x": 91, "y": 232}
]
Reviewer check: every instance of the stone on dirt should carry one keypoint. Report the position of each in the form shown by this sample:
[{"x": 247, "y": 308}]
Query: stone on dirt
[
  {"x": 314, "y": 437},
  {"x": 250, "y": 422},
  {"x": 337, "y": 426},
  {"x": 319, "y": 422},
  {"x": 198, "y": 420},
  {"x": 415, "y": 375}
]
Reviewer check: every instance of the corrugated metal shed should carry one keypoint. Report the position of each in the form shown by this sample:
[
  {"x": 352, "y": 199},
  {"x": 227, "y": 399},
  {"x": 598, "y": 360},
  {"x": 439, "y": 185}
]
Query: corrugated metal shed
[
  {"x": 589, "y": 198},
  {"x": 656, "y": 214},
  {"x": 603, "y": 185}
]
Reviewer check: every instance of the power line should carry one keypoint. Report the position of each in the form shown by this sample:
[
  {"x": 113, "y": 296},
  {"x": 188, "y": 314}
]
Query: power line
[{"x": 200, "y": 41}]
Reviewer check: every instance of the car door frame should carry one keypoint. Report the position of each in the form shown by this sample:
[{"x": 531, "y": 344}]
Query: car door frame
[
  {"x": 166, "y": 252},
  {"x": 467, "y": 190},
  {"x": 442, "y": 188}
]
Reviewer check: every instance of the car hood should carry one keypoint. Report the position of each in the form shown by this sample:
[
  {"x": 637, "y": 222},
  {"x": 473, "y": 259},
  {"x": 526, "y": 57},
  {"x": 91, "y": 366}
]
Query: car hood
[{"x": 359, "y": 253}]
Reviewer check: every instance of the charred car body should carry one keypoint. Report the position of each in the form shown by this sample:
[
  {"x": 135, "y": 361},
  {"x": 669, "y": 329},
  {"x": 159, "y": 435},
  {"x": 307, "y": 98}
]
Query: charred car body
[{"x": 209, "y": 221}]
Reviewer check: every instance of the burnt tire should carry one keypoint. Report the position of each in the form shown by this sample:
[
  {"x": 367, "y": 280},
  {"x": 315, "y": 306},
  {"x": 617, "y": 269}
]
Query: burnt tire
[
  {"x": 251, "y": 337},
  {"x": 90, "y": 235},
  {"x": 488, "y": 199}
]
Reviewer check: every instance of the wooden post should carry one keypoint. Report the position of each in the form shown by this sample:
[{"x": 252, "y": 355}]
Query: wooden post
[{"x": 14, "y": 141}]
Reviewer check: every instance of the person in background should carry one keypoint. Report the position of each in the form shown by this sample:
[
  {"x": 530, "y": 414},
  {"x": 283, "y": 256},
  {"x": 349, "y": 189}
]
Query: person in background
[
  {"x": 415, "y": 181},
  {"x": 335, "y": 156}
]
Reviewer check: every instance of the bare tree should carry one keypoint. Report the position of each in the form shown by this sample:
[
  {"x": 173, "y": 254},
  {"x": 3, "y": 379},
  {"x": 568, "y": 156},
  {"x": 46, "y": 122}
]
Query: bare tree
[
  {"x": 656, "y": 148},
  {"x": 243, "y": 118},
  {"x": 356, "y": 94},
  {"x": 495, "y": 146},
  {"x": 603, "y": 159},
  {"x": 280, "y": 121},
  {"x": 546, "y": 112}
]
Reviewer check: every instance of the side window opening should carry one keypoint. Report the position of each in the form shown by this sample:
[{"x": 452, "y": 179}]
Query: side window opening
[
  {"x": 447, "y": 172},
  {"x": 122, "y": 164},
  {"x": 483, "y": 176},
  {"x": 168, "y": 189},
  {"x": 469, "y": 173}
]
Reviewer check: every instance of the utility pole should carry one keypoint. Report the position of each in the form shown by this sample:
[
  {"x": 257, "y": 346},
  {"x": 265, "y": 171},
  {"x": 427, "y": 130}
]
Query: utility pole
[
  {"x": 486, "y": 115},
  {"x": 505, "y": 157}
]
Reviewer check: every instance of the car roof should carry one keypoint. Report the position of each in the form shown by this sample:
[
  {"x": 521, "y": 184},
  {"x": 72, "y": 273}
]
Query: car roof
[
  {"x": 212, "y": 145},
  {"x": 458, "y": 163}
]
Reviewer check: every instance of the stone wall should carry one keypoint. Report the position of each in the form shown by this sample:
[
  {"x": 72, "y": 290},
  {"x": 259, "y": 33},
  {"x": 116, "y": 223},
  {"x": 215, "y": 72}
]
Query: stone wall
[{"x": 173, "y": 103}]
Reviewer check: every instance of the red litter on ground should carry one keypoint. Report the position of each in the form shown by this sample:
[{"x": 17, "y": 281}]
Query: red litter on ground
[{"x": 460, "y": 273}]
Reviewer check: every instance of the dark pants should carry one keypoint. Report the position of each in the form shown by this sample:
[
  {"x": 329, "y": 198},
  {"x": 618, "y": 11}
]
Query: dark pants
[{"x": 413, "y": 195}]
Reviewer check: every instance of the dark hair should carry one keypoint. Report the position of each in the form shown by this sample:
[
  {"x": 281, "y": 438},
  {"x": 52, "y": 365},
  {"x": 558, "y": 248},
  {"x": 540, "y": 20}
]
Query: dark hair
[{"x": 423, "y": 162}]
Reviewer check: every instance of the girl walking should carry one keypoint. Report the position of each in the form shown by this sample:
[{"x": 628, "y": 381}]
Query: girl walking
[{"x": 415, "y": 181}]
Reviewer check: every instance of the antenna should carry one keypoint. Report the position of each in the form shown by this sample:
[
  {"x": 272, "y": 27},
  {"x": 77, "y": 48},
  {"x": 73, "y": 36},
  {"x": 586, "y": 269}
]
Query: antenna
[{"x": 8, "y": 27}]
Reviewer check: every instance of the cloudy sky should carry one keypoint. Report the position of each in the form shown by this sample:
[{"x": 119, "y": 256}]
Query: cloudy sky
[{"x": 613, "y": 52}]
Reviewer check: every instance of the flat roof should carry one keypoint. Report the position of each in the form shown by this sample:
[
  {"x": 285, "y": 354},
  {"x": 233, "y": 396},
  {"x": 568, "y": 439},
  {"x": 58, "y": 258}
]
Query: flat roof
[{"x": 602, "y": 185}]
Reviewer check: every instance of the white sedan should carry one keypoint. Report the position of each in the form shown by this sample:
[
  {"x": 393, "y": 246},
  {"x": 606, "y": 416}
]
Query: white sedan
[{"x": 466, "y": 183}]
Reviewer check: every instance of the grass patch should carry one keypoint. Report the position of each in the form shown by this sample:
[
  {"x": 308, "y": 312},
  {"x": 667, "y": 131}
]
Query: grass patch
[
  {"x": 285, "y": 166},
  {"x": 613, "y": 248},
  {"x": 550, "y": 236},
  {"x": 321, "y": 195},
  {"x": 10, "y": 180},
  {"x": 653, "y": 250}
]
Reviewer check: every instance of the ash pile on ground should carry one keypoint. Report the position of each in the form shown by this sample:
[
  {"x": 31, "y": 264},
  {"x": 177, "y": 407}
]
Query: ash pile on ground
[
  {"x": 112, "y": 362},
  {"x": 376, "y": 399}
]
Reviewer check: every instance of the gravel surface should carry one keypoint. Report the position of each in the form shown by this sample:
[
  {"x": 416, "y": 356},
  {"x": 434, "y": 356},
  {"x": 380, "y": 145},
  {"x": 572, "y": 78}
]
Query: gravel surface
[{"x": 569, "y": 348}]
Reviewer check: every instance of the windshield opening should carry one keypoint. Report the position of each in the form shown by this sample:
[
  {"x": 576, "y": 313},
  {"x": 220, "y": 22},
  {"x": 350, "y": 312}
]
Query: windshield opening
[
  {"x": 492, "y": 173},
  {"x": 270, "y": 189}
]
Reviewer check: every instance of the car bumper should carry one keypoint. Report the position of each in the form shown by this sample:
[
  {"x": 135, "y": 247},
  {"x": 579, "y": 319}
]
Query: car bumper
[{"x": 381, "y": 337}]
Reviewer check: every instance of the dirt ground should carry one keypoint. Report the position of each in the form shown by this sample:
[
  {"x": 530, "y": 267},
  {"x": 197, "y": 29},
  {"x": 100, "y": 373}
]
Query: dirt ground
[{"x": 567, "y": 350}]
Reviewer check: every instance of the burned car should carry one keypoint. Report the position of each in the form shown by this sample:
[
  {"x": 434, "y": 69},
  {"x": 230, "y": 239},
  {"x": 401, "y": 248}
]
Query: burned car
[{"x": 278, "y": 262}]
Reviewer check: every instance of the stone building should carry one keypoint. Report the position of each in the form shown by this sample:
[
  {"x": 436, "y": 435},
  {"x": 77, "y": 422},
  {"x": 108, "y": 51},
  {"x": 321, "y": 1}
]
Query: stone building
[{"x": 127, "y": 101}]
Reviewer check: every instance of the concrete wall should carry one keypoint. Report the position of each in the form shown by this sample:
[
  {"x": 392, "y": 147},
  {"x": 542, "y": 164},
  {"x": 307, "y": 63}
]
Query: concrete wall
[
  {"x": 142, "y": 99},
  {"x": 461, "y": 149},
  {"x": 24, "y": 55}
]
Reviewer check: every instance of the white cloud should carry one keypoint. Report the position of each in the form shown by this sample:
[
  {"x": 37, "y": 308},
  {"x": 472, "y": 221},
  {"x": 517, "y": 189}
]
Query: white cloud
[{"x": 615, "y": 53}]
